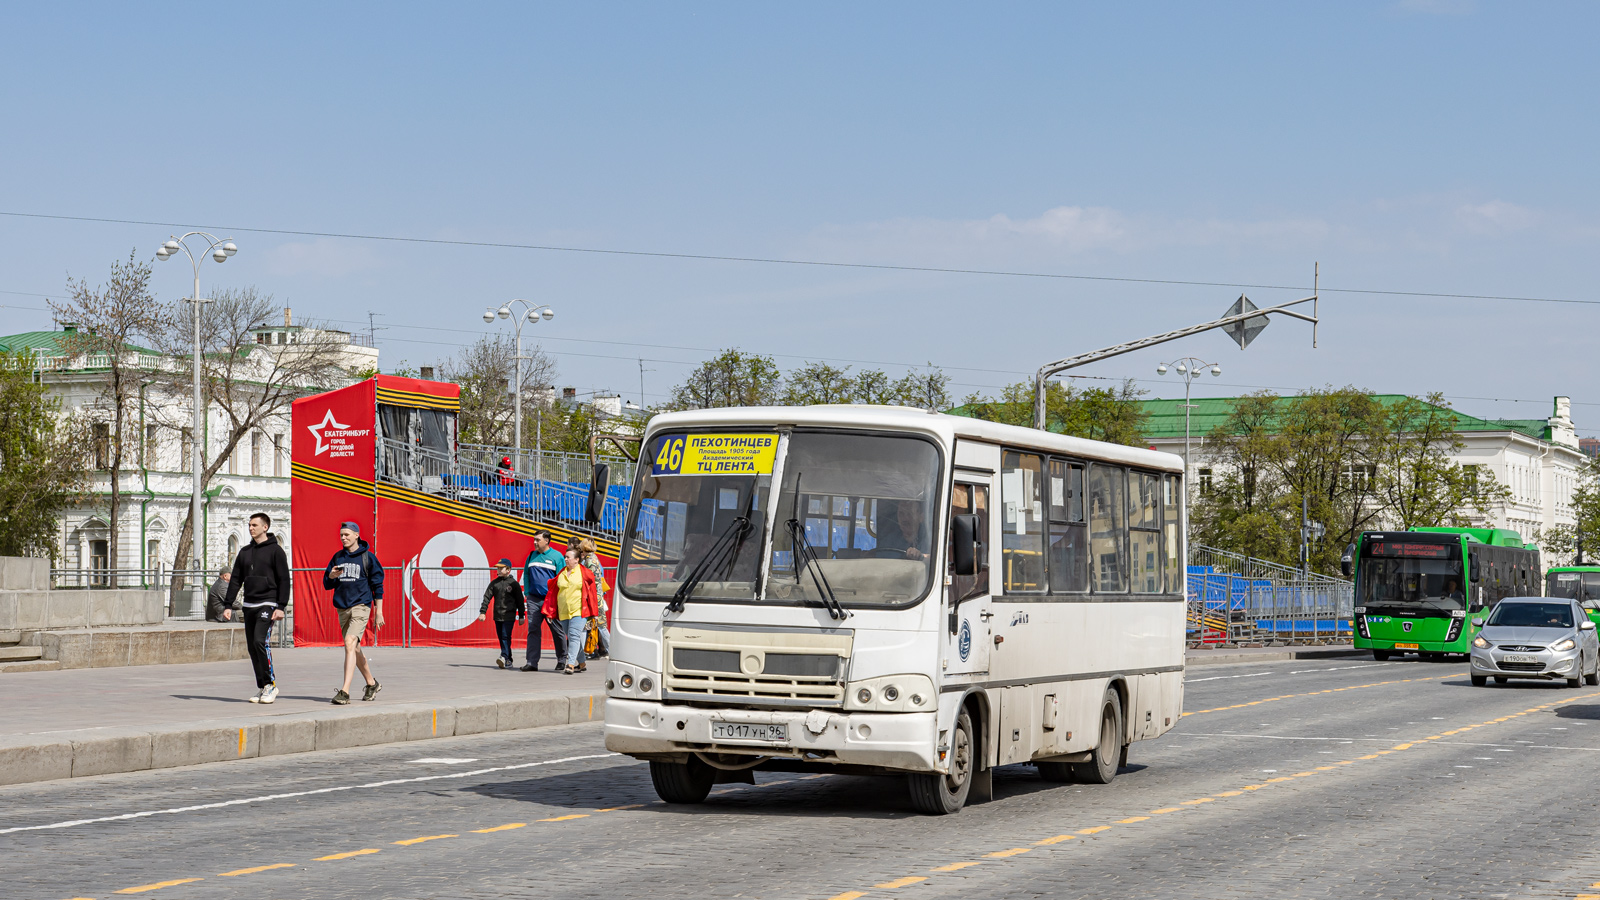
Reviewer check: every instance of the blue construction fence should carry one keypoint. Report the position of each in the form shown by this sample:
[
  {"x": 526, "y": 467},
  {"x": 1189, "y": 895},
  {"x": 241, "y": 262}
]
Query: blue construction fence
[{"x": 1225, "y": 607}]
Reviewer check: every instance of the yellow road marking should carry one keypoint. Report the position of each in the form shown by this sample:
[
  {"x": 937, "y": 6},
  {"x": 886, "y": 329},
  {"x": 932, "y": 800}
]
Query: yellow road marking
[
  {"x": 432, "y": 837},
  {"x": 1230, "y": 793},
  {"x": 1326, "y": 768},
  {"x": 1278, "y": 779},
  {"x": 506, "y": 827},
  {"x": 1197, "y": 802},
  {"x": 1252, "y": 787},
  {"x": 347, "y": 855},
  {"x": 1369, "y": 756},
  {"x": 900, "y": 882},
  {"x": 847, "y": 895},
  {"x": 254, "y": 870},
  {"x": 157, "y": 886},
  {"x": 960, "y": 865},
  {"x": 1002, "y": 854},
  {"x": 1132, "y": 819},
  {"x": 566, "y": 818},
  {"x": 1095, "y": 830},
  {"x": 615, "y": 808},
  {"x": 1053, "y": 840},
  {"x": 1164, "y": 810}
]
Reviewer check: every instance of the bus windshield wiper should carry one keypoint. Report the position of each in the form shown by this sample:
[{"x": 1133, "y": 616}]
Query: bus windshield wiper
[
  {"x": 806, "y": 557},
  {"x": 713, "y": 560}
]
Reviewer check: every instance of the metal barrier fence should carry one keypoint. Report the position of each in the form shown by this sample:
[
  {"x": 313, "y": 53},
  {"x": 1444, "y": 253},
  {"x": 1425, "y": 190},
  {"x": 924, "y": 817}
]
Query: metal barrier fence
[{"x": 1235, "y": 599}]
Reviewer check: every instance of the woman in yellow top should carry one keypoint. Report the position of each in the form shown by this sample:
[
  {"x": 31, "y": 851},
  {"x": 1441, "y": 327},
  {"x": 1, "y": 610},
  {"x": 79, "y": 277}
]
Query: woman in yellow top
[
  {"x": 576, "y": 599},
  {"x": 588, "y": 555}
]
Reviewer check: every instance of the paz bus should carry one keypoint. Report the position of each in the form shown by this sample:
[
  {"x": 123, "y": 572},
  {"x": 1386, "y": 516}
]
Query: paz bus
[
  {"x": 1416, "y": 591},
  {"x": 1576, "y": 582},
  {"x": 881, "y": 590}
]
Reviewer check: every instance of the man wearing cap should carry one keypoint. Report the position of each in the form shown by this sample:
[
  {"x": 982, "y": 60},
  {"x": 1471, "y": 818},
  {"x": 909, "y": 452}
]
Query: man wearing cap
[
  {"x": 509, "y": 605},
  {"x": 356, "y": 578}
]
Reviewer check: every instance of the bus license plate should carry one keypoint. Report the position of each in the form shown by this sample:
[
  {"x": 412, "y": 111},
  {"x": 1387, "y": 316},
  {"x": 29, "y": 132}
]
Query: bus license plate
[
  {"x": 739, "y": 731},
  {"x": 1512, "y": 657},
  {"x": 1406, "y": 647}
]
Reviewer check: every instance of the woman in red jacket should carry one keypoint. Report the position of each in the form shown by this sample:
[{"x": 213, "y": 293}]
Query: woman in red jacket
[{"x": 572, "y": 599}]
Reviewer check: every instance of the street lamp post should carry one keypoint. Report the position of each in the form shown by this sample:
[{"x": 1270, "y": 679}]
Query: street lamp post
[
  {"x": 1188, "y": 368},
  {"x": 219, "y": 250},
  {"x": 530, "y": 313}
]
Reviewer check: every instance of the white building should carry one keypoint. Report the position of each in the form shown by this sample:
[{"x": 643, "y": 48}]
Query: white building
[
  {"x": 1538, "y": 460},
  {"x": 156, "y": 479}
]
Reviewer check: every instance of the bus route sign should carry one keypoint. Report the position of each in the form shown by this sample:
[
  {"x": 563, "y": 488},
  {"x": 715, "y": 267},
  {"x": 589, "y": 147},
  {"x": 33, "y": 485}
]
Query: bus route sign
[{"x": 714, "y": 454}]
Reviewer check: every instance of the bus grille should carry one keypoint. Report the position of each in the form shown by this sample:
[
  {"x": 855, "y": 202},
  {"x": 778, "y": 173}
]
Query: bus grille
[
  {"x": 744, "y": 667},
  {"x": 1521, "y": 667},
  {"x": 759, "y": 690}
]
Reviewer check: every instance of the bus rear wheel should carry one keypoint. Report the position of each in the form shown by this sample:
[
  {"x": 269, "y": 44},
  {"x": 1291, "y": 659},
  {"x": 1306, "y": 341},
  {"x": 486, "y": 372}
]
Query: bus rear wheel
[
  {"x": 1380, "y": 655},
  {"x": 685, "y": 782},
  {"x": 1104, "y": 758},
  {"x": 943, "y": 793}
]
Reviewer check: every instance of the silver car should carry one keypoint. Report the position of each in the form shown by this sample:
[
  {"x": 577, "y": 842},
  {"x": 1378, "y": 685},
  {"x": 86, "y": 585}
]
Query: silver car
[{"x": 1536, "y": 637}]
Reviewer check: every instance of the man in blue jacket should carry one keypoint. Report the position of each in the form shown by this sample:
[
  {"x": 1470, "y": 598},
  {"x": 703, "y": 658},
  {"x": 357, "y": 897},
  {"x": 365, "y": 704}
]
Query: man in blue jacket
[
  {"x": 542, "y": 565},
  {"x": 356, "y": 578}
]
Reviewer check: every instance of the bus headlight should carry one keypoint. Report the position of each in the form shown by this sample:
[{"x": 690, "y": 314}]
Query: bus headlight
[
  {"x": 1567, "y": 644},
  {"x": 891, "y": 693},
  {"x": 1480, "y": 643}
]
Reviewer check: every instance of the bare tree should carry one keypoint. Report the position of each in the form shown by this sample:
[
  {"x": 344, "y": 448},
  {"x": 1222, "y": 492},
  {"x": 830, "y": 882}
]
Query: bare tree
[
  {"x": 109, "y": 322},
  {"x": 485, "y": 371},
  {"x": 247, "y": 381}
]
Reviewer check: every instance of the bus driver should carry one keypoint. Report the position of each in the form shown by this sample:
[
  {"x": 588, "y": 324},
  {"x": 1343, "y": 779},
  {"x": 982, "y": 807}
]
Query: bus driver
[{"x": 909, "y": 534}]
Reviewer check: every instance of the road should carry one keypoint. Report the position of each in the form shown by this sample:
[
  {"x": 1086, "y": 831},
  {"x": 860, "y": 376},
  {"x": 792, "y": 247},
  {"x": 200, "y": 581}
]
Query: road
[{"x": 1333, "y": 778}]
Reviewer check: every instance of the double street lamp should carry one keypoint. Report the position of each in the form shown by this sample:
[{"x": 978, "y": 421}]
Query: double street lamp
[
  {"x": 219, "y": 250},
  {"x": 531, "y": 313},
  {"x": 1188, "y": 368}
]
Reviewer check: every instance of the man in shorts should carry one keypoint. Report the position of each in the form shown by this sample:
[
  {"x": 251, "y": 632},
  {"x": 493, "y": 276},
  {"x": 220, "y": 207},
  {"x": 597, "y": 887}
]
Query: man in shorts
[{"x": 356, "y": 578}]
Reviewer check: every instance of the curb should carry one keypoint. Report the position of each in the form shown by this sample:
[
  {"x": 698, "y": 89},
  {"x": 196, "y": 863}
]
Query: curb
[
  {"x": 25, "y": 759},
  {"x": 1223, "y": 657}
]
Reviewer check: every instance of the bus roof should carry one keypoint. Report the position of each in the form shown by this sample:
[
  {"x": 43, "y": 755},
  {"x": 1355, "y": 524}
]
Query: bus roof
[
  {"x": 901, "y": 418},
  {"x": 1494, "y": 537},
  {"x": 1595, "y": 568}
]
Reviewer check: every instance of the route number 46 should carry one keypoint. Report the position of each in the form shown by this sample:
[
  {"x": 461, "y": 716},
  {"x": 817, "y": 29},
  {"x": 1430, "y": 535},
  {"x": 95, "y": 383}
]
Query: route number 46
[{"x": 669, "y": 459}]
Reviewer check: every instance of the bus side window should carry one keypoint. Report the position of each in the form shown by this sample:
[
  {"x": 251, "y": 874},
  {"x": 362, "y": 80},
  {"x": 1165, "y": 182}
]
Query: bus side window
[
  {"x": 1108, "y": 528},
  {"x": 1022, "y": 525},
  {"x": 1069, "y": 540},
  {"x": 1171, "y": 533},
  {"x": 973, "y": 500}
]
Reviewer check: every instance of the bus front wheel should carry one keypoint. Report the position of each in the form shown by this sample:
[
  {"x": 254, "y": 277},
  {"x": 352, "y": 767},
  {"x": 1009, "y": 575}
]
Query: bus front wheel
[
  {"x": 1380, "y": 655},
  {"x": 685, "y": 782},
  {"x": 943, "y": 793},
  {"x": 1104, "y": 758}
]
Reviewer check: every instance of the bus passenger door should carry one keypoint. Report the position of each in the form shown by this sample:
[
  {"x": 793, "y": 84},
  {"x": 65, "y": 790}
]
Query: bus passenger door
[{"x": 967, "y": 636}]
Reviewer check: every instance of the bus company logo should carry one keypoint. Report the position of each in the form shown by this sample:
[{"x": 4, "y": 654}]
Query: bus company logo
[
  {"x": 333, "y": 435},
  {"x": 452, "y": 569},
  {"x": 964, "y": 644},
  {"x": 1019, "y": 618},
  {"x": 1405, "y": 626}
]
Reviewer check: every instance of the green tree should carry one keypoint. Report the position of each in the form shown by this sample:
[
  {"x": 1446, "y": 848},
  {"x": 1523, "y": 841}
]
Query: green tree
[
  {"x": 1420, "y": 485},
  {"x": 927, "y": 388},
  {"x": 818, "y": 382},
  {"x": 44, "y": 465},
  {"x": 1101, "y": 414},
  {"x": 732, "y": 378}
]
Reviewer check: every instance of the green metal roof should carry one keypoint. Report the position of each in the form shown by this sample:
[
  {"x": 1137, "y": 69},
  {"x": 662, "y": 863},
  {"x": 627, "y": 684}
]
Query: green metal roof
[
  {"x": 49, "y": 343},
  {"x": 1166, "y": 418}
]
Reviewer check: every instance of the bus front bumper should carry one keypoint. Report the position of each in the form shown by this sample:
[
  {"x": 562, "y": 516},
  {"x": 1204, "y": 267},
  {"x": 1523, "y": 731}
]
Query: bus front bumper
[{"x": 891, "y": 740}]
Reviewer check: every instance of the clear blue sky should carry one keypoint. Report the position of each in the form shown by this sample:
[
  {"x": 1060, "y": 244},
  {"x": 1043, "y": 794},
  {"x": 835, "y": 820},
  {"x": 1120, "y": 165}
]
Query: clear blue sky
[{"x": 1432, "y": 146}]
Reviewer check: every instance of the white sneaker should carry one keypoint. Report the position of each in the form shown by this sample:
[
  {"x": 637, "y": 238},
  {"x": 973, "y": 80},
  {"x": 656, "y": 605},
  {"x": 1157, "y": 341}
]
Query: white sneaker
[
  {"x": 269, "y": 693},
  {"x": 257, "y": 697}
]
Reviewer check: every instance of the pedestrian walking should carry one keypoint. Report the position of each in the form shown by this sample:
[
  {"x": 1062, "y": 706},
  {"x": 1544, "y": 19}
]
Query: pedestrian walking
[
  {"x": 572, "y": 602},
  {"x": 589, "y": 555},
  {"x": 356, "y": 578},
  {"x": 542, "y": 565},
  {"x": 509, "y": 606},
  {"x": 261, "y": 574},
  {"x": 217, "y": 609}
]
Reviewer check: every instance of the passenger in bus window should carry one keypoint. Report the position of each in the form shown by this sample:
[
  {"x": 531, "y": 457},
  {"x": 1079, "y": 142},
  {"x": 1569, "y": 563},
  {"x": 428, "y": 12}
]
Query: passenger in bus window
[{"x": 907, "y": 533}]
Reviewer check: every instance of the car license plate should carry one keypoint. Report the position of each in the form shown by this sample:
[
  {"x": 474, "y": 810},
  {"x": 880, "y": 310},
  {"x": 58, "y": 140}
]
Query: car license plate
[
  {"x": 1406, "y": 647},
  {"x": 740, "y": 731},
  {"x": 1513, "y": 657}
]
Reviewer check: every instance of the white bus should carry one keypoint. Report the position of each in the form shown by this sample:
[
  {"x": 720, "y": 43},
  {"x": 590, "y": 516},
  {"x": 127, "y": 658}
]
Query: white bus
[{"x": 872, "y": 589}]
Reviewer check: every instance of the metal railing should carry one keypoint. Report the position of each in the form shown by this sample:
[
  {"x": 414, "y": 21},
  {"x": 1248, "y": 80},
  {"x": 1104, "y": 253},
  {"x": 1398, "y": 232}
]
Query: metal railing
[
  {"x": 551, "y": 466},
  {"x": 1235, "y": 599}
]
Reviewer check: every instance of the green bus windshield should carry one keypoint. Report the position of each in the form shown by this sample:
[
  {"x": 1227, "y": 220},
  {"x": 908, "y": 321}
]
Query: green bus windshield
[
  {"x": 1581, "y": 586},
  {"x": 1406, "y": 575}
]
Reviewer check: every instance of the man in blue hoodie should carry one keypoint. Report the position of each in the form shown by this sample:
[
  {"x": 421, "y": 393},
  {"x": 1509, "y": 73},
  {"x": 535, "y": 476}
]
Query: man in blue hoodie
[
  {"x": 542, "y": 565},
  {"x": 356, "y": 578}
]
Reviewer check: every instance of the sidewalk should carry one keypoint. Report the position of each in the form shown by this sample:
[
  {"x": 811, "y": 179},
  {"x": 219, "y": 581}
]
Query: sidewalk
[
  {"x": 1269, "y": 654},
  {"x": 81, "y": 722}
]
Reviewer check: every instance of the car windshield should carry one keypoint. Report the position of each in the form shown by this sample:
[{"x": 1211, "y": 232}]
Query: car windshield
[
  {"x": 1582, "y": 586},
  {"x": 699, "y": 516},
  {"x": 1406, "y": 574},
  {"x": 865, "y": 507},
  {"x": 1532, "y": 615}
]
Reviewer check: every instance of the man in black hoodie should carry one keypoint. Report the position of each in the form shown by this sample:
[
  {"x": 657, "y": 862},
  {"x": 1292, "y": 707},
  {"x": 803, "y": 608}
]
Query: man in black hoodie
[{"x": 261, "y": 570}]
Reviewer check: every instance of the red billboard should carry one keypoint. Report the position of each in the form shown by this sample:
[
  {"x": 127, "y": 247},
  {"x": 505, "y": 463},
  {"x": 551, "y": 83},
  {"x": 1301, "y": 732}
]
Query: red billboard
[{"x": 429, "y": 526}]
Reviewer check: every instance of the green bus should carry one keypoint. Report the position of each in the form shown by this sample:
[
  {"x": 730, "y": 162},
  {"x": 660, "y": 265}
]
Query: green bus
[
  {"x": 1580, "y": 583},
  {"x": 1417, "y": 591}
]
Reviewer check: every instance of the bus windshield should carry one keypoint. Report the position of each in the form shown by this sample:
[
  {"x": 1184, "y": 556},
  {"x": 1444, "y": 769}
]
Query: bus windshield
[
  {"x": 1406, "y": 575},
  {"x": 1581, "y": 586}
]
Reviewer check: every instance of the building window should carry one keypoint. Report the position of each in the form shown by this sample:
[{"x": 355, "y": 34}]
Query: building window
[
  {"x": 152, "y": 556},
  {"x": 187, "y": 451},
  {"x": 149, "y": 449},
  {"x": 263, "y": 338},
  {"x": 99, "y": 561},
  {"x": 257, "y": 464},
  {"x": 102, "y": 445},
  {"x": 277, "y": 455},
  {"x": 1360, "y": 478},
  {"x": 1204, "y": 476}
]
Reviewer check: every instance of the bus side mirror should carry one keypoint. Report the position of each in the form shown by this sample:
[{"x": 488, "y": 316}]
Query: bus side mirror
[
  {"x": 596, "y": 506},
  {"x": 966, "y": 548},
  {"x": 1476, "y": 572},
  {"x": 1347, "y": 562}
]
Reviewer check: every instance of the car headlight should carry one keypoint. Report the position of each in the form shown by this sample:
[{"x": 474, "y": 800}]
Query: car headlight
[
  {"x": 1567, "y": 644},
  {"x": 1480, "y": 643}
]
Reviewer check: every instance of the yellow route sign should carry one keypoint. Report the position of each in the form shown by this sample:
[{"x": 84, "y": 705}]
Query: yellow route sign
[{"x": 714, "y": 454}]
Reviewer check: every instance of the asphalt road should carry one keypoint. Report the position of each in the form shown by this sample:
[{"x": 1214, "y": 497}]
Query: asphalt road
[{"x": 1332, "y": 778}]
